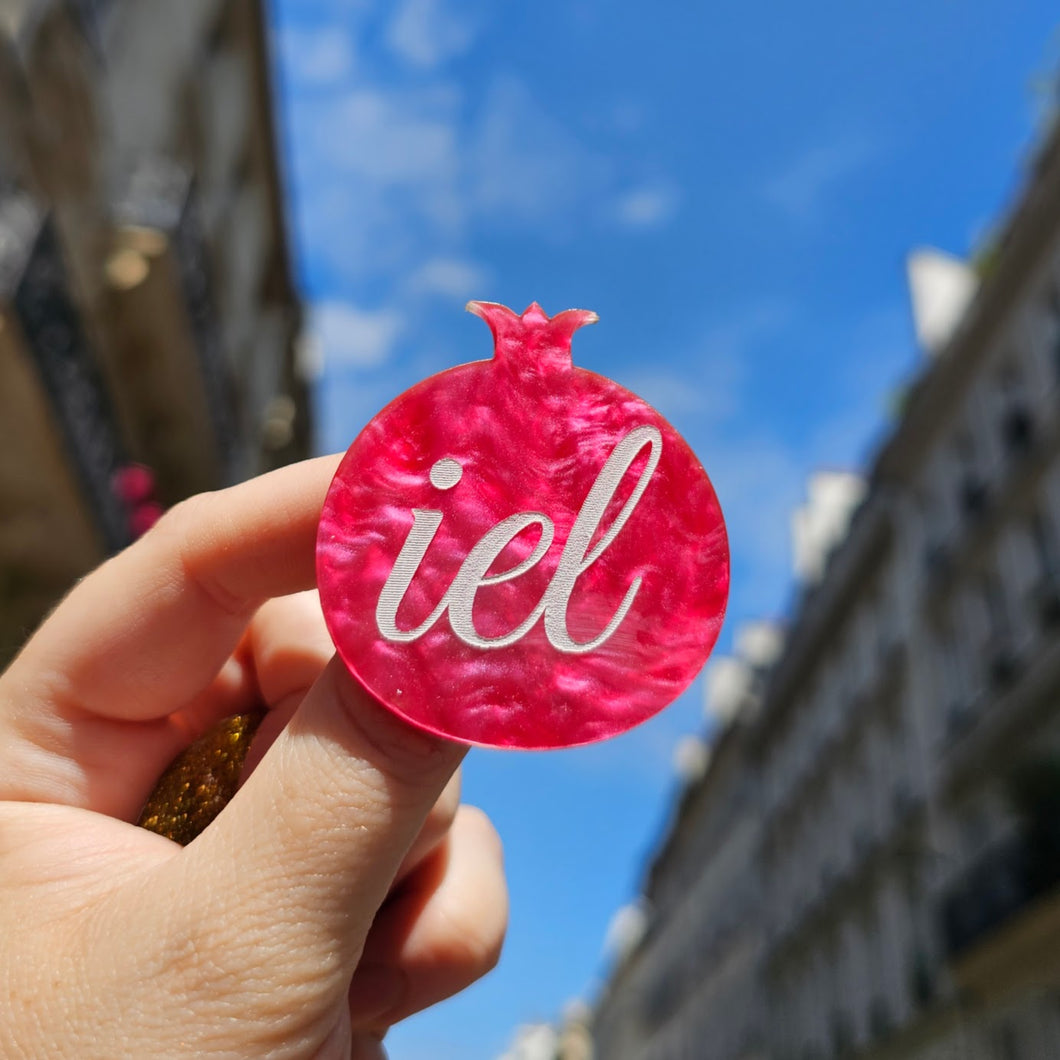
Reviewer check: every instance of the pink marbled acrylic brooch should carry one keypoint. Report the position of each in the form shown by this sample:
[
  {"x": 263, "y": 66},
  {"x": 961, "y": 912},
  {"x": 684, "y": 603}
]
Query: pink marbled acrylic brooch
[{"x": 520, "y": 553}]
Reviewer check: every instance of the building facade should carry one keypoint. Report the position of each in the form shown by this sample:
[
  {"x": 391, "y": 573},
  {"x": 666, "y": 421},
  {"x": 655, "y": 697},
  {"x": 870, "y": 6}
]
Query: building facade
[
  {"x": 901, "y": 758},
  {"x": 148, "y": 318},
  {"x": 692, "y": 979}
]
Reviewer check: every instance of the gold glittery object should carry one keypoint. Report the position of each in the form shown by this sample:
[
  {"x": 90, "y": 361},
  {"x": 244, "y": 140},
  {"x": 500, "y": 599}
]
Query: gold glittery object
[{"x": 199, "y": 782}]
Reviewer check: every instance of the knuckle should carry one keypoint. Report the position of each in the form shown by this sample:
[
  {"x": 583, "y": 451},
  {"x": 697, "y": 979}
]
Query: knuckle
[
  {"x": 414, "y": 758},
  {"x": 445, "y": 810},
  {"x": 476, "y": 941},
  {"x": 186, "y": 514},
  {"x": 484, "y": 831},
  {"x": 477, "y": 919},
  {"x": 187, "y": 527}
]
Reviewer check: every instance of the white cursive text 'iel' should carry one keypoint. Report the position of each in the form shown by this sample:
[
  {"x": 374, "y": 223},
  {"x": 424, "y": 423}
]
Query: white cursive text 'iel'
[{"x": 575, "y": 560}]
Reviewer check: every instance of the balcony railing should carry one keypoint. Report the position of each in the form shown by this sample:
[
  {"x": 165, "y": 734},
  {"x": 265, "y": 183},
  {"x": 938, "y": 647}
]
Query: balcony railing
[
  {"x": 938, "y": 561},
  {"x": 35, "y": 276},
  {"x": 841, "y": 1033},
  {"x": 922, "y": 979},
  {"x": 1017, "y": 430},
  {"x": 1045, "y": 600},
  {"x": 960, "y": 717},
  {"x": 881, "y": 1020},
  {"x": 1000, "y": 883},
  {"x": 974, "y": 496},
  {"x": 905, "y": 803},
  {"x": 1003, "y": 664}
]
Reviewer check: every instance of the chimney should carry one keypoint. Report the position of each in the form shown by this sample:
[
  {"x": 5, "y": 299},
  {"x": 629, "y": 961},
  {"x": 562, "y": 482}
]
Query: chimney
[
  {"x": 759, "y": 643},
  {"x": 821, "y": 523},
  {"x": 941, "y": 287},
  {"x": 729, "y": 683}
]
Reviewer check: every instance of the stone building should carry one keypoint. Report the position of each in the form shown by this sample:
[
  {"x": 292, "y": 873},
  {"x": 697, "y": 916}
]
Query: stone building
[
  {"x": 148, "y": 317},
  {"x": 692, "y": 977},
  {"x": 900, "y": 761}
]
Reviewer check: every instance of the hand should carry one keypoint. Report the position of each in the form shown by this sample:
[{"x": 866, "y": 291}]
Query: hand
[{"x": 340, "y": 890}]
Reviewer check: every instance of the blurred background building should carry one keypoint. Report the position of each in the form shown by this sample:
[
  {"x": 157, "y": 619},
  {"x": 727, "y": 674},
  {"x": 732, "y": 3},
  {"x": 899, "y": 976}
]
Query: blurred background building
[
  {"x": 869, "y": 866},
  {"x": 148, "y": 319},
  {"x": 571, "y": 1040}
]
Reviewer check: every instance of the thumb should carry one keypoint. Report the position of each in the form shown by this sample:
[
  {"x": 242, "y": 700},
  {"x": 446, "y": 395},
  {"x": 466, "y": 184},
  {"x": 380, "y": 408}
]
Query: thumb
[{"x": 297, "y": 865}]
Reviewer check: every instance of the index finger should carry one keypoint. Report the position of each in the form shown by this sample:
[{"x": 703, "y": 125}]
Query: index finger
[{"x": 152, "y": 627}]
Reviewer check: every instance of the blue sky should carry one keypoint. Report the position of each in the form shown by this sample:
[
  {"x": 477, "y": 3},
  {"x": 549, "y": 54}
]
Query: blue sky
[{"x": 733, "y": 187}]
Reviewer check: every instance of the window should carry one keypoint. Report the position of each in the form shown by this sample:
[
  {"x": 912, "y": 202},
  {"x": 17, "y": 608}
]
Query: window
[
  {"x": 994, "y": 604},
  {"x": 1006, "y": 1043},
  {"x": 954, "y": 666},
  {"x": 1045, "y": 549},
  {"x": 1053, "y": 313},
  {"x": 1002, "y": 662},
  {"x": 971, "y": 495},
  {"x": 975, "y": 831},
  {"x": 1017, "y": 424}
]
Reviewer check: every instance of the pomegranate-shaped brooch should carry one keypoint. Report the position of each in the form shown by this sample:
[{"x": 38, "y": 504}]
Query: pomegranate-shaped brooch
[{"x": 521, "y": 553}]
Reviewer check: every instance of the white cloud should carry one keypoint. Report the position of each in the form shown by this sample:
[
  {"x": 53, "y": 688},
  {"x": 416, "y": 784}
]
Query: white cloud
[
  {"x": 757, "y": 475},
  {"x": 802, "y": 186},
  {"x": 335, "y": 10},
  {"x": 628, "y": 117},
  {"x": 426, "y": 33},
  {"x": 388, "y": 179},
  {"x": 710, "y": 386},
  {"x": 760, "y": 476},
  {"x": 316, "y": 57},
  {"x": 389, "y": 138},
  {"x": 525, "y": 165},
  {"x": 734, "y": 336},
  {"x": 449, "y": 278},
  {"x": 379, "y": 178},
  {"x": 647, "y": 207},
  {"x": 672, "y": 393},
  {"x": 348, "y": 335},
  {"x": 872, "y": 359},
  {"x": 759, "y": 480}
]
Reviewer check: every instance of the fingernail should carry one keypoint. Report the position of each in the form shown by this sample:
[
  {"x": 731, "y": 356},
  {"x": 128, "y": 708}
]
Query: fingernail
[{"x": 375, "y": 990}]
